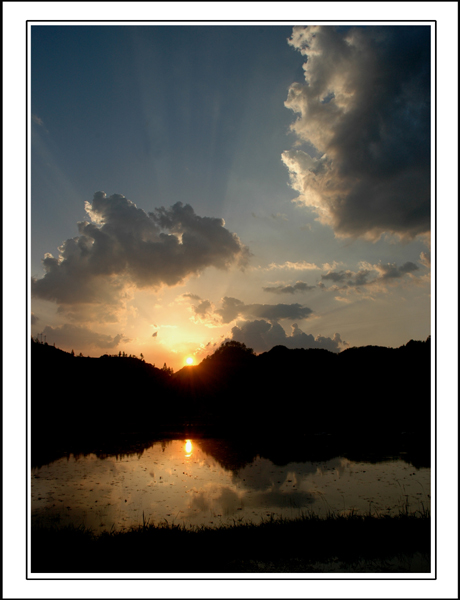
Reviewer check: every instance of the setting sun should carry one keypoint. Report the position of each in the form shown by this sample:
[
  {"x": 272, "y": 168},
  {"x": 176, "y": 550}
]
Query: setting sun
[{"x": 189, "y": 360}]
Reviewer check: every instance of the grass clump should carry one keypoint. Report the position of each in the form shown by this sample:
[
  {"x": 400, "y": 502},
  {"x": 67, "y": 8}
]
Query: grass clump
[{"x": 343, "y": 543}]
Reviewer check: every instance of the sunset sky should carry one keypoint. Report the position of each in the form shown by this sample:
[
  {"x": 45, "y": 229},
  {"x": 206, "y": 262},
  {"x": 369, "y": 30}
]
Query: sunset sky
[{"x": 263, "y": 183}]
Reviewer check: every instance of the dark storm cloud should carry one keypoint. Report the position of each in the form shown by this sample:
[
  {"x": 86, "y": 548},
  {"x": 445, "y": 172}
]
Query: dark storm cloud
[
  {"x": 300, "y": 286},
  {"x": 123, "y": 245},
  {"x": 232, "y": 308},
  {"x": 80, "y": 337},
  {"x": 262, "y": 336},
  {"x": 34, "y": 319},
  {"x": 365, "y": 108}
]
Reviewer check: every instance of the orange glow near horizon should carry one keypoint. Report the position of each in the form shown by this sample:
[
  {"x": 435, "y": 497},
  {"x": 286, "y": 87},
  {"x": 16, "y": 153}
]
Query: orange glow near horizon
[{"x": 188, "y": 448}]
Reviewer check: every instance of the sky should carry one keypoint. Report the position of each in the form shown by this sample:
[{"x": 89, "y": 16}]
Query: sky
[{"x": 191, "y": 184}]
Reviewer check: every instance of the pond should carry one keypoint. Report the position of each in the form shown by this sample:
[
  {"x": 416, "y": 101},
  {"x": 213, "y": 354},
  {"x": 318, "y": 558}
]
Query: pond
[{"x": 207, "y": 482}]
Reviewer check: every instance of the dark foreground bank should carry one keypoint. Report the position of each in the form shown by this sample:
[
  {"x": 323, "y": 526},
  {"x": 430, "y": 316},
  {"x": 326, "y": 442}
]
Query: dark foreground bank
[{"x": 347, "y": 544}]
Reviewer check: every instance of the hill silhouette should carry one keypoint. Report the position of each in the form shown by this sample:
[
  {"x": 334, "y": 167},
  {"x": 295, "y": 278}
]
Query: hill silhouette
[{"x": 359, "y": 393}]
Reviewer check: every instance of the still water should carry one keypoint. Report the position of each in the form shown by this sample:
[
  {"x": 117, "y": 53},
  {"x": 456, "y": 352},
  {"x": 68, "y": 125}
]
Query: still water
[{"x": 187, "y": 482}]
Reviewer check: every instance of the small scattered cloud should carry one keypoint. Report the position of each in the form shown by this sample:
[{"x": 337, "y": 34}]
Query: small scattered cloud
[
  {"x": 203, "y": 312},
  {"x": 331, "y": 266},
  {"x": 279, "y": 217},
  {"x": 34, "y": 319},
  {"x": 348, "y": 277},
  {"x": 299, "y": 286},
  {"x": 79, "y": 337},
  {"x": 391, "y": 271},
  {"x": 262, "y": 335},
  {"x": 36, "y": 119},
  {"x": 371, "y": 275},
  {"x": 425, "y": 259},
  {"x": 155, "y": 334},
  {"x": 293, "y": 266},
  {"x": 273, "y": 216},
  {"x": 232, "y": 308}
]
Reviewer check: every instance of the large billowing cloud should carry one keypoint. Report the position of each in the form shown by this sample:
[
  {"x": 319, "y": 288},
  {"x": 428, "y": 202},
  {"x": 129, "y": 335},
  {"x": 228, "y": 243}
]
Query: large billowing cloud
[
  {"x": 123, "y": 246},
  {"x": 365, "y": 120},
  {"x": 262, "y": 336}
]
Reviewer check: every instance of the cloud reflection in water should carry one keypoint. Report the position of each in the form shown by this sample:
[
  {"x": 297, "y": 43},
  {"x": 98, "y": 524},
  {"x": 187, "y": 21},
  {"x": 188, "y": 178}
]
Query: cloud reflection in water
[{"x": 178, "y": 481}]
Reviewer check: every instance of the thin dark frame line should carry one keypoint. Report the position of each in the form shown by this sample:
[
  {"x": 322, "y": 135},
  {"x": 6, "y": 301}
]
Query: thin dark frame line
[
  {"x": 226, "y": 579},
  {"x": 216, "y": 23},
  {"x": 433, "y": 144},
  {"x": 27, "y": 296},
  {"x": 435, "y": 301}
]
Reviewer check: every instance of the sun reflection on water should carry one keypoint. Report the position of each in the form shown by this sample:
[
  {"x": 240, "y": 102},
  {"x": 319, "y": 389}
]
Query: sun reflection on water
[{"x": 179, "y": 479}]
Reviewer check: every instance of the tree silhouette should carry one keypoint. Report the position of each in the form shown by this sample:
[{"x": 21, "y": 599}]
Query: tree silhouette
[
  {"x": 230, "y": 351},
  {"x": 167, "y": 370}
]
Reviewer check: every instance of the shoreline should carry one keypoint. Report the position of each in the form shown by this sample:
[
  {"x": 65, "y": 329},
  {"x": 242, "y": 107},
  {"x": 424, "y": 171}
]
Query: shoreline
[{"x": 410, "y": 444}]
